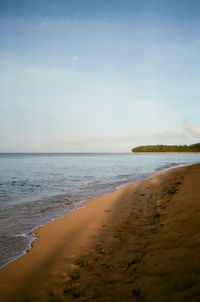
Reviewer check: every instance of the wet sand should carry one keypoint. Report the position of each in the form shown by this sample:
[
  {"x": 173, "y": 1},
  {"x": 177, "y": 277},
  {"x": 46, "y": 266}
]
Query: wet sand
[{"x": 141, "y": 243}]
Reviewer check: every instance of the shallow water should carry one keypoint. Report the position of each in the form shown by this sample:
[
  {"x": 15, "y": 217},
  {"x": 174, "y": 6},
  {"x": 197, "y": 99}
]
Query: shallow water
[{"x": 36, "y": 188}]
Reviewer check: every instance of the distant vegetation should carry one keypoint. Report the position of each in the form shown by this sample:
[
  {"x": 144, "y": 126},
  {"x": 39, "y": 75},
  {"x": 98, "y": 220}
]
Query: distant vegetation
[{"x": 168, "y": 148}]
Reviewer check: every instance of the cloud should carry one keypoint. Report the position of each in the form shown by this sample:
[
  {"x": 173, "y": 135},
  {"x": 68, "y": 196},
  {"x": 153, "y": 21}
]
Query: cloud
[
  {"x": 125, "y": 140},
  {"x": 169, "y": 134},
  {"x": 194, "y": 130},
  {"x": 75, "y": 58},
  {"x": 83, "y": 141}
]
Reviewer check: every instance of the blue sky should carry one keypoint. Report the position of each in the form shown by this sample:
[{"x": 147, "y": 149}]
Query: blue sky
[{"x": 84, "y": 76}]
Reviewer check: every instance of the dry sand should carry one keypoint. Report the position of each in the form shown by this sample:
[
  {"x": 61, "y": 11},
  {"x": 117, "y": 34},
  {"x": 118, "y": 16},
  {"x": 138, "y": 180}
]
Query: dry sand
[{"x": 141, "y": 243}]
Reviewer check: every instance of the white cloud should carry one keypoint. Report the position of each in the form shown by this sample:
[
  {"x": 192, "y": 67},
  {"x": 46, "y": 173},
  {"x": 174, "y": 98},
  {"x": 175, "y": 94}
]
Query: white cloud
[
  {"x": 75, "y": 58},
  {"x": 194, "y": 130},
  {"x": 169, "y": 134},
  {"x": 83, "y": 141}
]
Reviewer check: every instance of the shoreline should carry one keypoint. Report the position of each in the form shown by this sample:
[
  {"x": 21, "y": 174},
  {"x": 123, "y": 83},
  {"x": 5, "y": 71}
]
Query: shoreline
[
  {"x": 55, "y": 256},
  {"x": 84, "y": 202},
  {"x": 165, "y": 152}
]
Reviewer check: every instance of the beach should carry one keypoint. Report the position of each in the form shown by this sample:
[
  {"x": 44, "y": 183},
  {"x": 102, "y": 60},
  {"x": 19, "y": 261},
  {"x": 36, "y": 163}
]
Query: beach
[{"x": 140, "y": 243}]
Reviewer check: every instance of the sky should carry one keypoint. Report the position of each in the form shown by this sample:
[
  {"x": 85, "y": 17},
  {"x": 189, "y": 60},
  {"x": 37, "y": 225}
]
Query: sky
[{"x": 98, "y": 76}]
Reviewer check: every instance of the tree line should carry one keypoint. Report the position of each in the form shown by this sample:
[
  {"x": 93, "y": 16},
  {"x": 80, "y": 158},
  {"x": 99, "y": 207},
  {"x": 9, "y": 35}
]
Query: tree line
[{"x": 168, "y": 148}]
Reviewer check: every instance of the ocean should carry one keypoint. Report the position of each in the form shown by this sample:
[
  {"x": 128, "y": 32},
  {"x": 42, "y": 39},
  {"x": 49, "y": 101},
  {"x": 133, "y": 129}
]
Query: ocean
[{"x": 37, "y": 188}]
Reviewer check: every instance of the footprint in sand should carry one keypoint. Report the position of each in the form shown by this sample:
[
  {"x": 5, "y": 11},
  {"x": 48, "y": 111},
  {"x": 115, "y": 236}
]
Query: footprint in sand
[
  {"x": 136, "y": 260},
  {"x": 75, "y": 276},
  {"x": 107, "y": 211},
  {"x": 136, "y": 292}
]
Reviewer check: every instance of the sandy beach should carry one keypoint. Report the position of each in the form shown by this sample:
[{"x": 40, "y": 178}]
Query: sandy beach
[{"x": 140, "y": 243}]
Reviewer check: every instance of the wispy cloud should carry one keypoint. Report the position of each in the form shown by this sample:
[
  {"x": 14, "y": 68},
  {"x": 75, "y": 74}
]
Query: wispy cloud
[
  {"x": 169, "y": 134},
  {"x": 193, "y": 130},
  {"x": 135, "y": 138},
  {"x": 82, "y": 141}
]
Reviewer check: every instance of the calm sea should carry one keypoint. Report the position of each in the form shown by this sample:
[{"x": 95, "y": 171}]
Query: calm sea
[{"x": 36, "y": 188}]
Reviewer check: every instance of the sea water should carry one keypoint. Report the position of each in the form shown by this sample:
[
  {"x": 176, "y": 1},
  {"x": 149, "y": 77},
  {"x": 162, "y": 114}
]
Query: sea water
[{"x": 36, "y": 188}]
